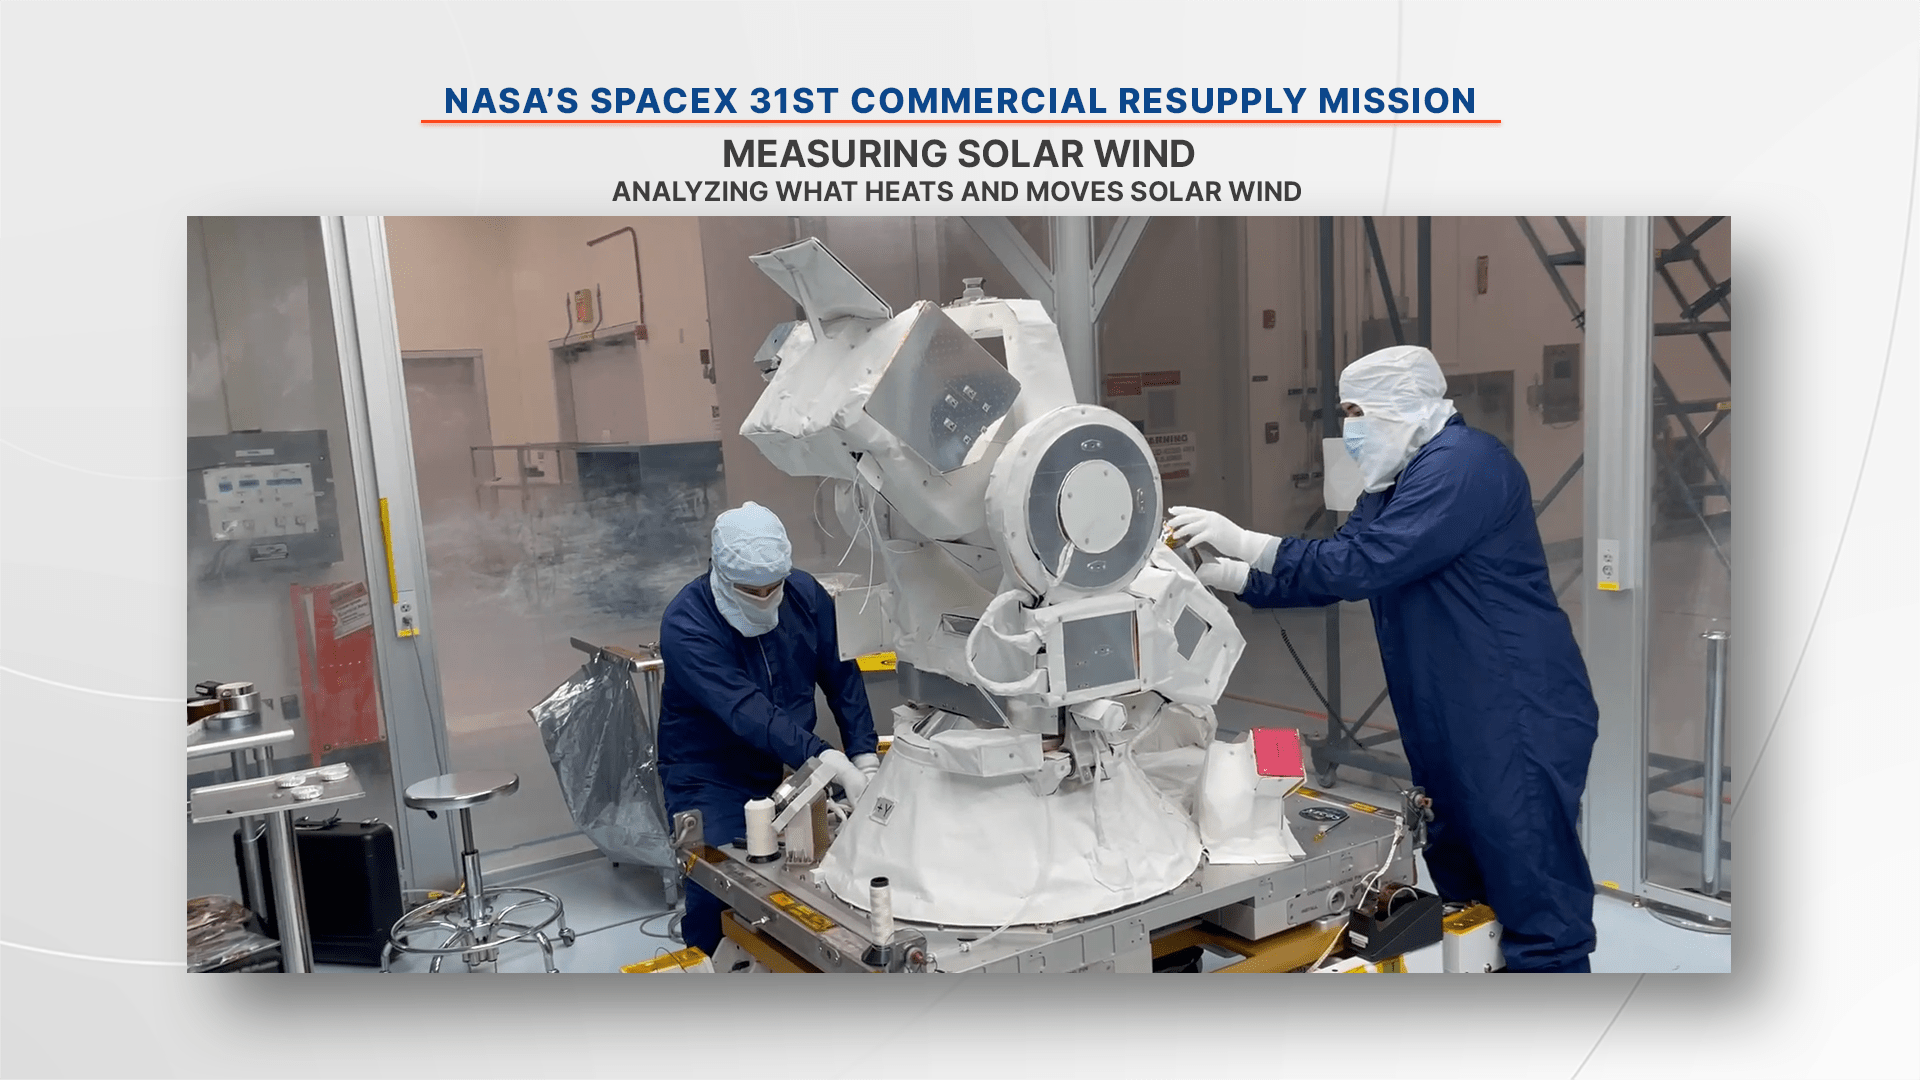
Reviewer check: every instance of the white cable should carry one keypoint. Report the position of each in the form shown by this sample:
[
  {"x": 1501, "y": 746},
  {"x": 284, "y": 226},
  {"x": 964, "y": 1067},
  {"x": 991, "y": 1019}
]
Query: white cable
[
  {"x": 856, "y": 536},
  {"x": 817, "y": 523},
  {"x": 1360, "y": 899},
  {"x": 873, "y": 543}
]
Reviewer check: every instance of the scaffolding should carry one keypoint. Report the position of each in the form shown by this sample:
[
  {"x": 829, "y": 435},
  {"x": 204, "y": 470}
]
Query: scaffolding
[
  {"x": 1342, "y": 744},
  {"x": 1677, "y": 458}
]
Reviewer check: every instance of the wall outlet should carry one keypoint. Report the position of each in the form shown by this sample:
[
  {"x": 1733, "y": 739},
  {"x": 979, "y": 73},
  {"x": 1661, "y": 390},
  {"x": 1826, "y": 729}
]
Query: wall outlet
[{"x": 1607, "y": 576}]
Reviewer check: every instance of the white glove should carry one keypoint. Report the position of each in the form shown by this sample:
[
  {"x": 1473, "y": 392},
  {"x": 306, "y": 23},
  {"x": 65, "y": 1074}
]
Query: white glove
[
  {"x": 867, "y": 763},
  {"x": 849, "y": 776},
  {"x": 1197, "y": 526},
  {"x": 1229, "y": 575}
]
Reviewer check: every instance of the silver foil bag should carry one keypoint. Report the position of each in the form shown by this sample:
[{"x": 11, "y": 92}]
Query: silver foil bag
[{"x": 603, "y": 754}]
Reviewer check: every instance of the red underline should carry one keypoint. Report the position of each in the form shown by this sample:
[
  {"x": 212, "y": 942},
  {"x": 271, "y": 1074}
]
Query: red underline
[{"x": 988, "y": 122}]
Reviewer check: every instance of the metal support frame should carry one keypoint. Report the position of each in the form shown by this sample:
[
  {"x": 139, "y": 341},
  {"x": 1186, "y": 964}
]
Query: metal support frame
[
  {"x": 1113, "y": 258},
  {"x": 1666, "y": 402},
  {"x": 1075, "y": 289},
  {"x": 1619, "y": 329},
  {"x": 1610, "y": 830},
  {"x": 1343, "y": 744},
  {"x": 1386, "y": 281},
  {"x": 381, "y": 450},
  {"x": 1073, "y": 310},
  {"x": 1029, "y": 270}
]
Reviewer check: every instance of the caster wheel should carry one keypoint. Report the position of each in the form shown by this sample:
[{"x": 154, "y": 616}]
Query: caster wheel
[
  {"x": 566, "y": 937},
  {"x": 1326, "y": 779}
]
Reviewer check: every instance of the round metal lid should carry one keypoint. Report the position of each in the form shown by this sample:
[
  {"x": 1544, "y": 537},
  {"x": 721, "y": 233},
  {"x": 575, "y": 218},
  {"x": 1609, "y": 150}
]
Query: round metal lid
[
  {"x": 1070, "y": 457},
  {"x": 453, "y": 791}
]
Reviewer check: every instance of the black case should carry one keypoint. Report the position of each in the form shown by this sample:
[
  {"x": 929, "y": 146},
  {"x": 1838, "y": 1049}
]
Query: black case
[{"x": 351, "y": 874}]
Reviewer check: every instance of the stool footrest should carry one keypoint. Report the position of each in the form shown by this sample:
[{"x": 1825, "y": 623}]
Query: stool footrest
[{"x": 480, "y": 941}]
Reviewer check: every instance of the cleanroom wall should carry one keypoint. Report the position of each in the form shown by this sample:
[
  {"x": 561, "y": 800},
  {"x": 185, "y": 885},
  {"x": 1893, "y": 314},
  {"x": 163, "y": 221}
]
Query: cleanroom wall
[{"x": 265, "y": 402}]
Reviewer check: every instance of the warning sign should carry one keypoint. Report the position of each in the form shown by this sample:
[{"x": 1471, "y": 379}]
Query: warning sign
[
  {"x": 1159, "y": 378},
  {"x": 1123, "y": 385},
  {"x": 352, "y": 609},
  {"x": 1173, "y": 453}
]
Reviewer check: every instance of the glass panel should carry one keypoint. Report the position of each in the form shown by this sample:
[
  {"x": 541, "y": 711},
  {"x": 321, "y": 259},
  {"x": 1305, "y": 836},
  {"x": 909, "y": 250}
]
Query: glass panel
[
  {"x": 278, "y": 591},
  {"x": 571, "y": 461},
  {"x": 1690, "y": 564},
  {"x": 568, "y": 468}
]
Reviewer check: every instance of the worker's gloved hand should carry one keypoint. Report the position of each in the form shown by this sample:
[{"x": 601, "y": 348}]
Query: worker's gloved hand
[
  {"x": 867, "y": 763},
  {"x": 845, "y": 773},
  {"x": 1229, "y": 575},
  {"x": 1196, "y": 526}
]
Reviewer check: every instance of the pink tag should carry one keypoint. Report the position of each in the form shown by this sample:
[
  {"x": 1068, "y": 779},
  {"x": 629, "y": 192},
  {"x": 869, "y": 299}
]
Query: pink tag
[{"x": 1276, "y": 752}]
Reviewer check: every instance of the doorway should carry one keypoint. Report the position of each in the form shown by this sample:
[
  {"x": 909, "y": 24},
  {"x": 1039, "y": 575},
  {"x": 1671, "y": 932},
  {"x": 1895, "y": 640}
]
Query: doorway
[
  {"x": 447, "y": 414},
  {"x": 599, "y": 391}
]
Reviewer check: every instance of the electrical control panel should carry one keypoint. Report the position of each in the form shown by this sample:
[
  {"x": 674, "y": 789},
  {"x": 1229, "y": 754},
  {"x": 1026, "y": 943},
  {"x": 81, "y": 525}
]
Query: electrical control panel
[
  {"x": 1560, "y": 384},
  {"x": 261, "y": 499}
]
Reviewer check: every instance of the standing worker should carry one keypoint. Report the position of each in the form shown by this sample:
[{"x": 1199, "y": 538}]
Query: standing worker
[
  {"x": 745, "y": 644},
  {"x": 1495, "y": 710}
]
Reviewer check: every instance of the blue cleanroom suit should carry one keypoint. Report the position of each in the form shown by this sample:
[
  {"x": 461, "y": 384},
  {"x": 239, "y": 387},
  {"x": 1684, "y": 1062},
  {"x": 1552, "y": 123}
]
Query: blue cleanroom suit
[
  {"x": 736, "y": 709},
  {"x": 1495, "y": 711}
]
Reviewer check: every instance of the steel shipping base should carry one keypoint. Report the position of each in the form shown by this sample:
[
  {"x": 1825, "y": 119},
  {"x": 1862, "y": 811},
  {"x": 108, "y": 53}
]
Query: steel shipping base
[{"x": 1253, "y": 901}]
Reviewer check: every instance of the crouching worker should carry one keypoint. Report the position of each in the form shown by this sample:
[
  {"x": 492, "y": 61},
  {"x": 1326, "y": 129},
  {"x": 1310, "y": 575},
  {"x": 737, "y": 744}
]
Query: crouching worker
[{"x": 744, "y": 645}]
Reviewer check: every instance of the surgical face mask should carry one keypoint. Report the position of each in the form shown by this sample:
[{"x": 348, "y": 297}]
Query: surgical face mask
[
  {"x": 1381, "y": 447},
  {"x": 765, "y": 602},
  {"x": 1354, "y": 433},
  {"x": 751, "y": 615}
]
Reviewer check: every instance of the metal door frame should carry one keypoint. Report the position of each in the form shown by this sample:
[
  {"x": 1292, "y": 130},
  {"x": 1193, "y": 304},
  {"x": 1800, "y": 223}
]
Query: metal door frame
[
  {"x": 1618, "y": 384},
  {"x": 381, "y": 452}
]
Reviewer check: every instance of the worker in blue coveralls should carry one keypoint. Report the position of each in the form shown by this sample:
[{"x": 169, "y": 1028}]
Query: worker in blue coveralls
[
  {"x": 744, "y": 646},
  {"x": 1494, "y": 706}
]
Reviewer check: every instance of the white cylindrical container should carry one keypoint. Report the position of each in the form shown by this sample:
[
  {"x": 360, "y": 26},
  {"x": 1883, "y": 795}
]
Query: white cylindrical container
[
  {"x": 761, "y": 844},
  {"x": 880, "y": 907}
]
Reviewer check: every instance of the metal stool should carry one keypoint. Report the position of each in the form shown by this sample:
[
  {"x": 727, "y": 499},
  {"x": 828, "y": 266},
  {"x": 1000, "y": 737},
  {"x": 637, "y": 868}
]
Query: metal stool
[{"x": 474, "y": 927}]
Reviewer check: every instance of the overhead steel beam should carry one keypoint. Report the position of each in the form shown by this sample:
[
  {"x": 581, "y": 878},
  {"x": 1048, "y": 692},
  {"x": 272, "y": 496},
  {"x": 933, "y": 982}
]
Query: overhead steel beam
[
  {"x": 1565, "y": 479},
  {"x": 1113, "y": 259},
  {"x": 1547, "y": 260},
  {"x": 1075, "y": 289},
  {"x": 1018, "y": 256},
  {"x": 1386, "y": 282},
  {"x": 1073, "y": 310},
  {"x": 1423, "y": 258},
  {"x": 1330, "y": 752}
]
